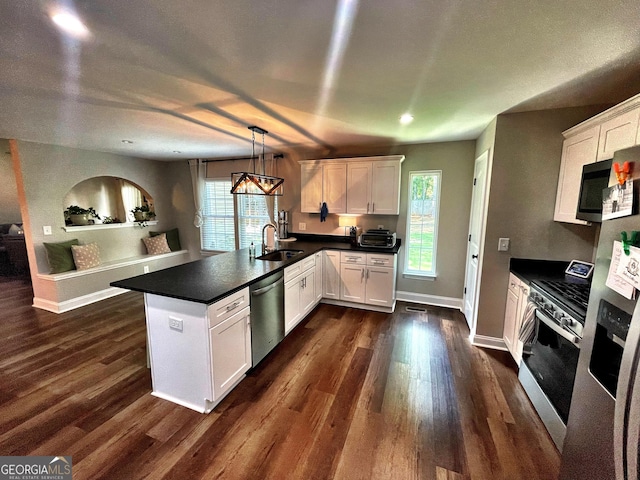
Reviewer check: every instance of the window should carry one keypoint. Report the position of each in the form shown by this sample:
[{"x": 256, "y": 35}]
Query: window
[
  {"x": 422, "y": 223},
  {"x": 218, "y": 229},
  {"x": 232, "y": 221},
  {"x": 252, "y": 215}
]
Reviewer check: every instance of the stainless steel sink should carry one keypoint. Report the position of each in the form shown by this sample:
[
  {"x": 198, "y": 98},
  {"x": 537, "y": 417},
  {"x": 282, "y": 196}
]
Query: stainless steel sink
[{"x": 280, "y": 255}]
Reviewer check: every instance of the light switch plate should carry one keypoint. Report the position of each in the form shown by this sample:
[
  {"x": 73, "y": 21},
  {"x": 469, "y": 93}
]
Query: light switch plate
[
  {"x": 503, "y": 244},
  {"x": 302, "y": 226},
  {"x": 46, "y": 229}
]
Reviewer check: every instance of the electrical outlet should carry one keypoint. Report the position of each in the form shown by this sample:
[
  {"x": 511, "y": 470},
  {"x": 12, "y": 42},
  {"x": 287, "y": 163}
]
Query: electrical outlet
[
  {"x": 302, "y": 226},
  {"x": 380, "y": 227},
  {"x": 175, "y": 323},
  {"x": 145, "y": 269},
  {"x": 503, "y": 244},
  {"x": 46, "y": 229}
]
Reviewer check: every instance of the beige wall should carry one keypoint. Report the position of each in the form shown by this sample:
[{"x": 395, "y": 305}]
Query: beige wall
[
  {"x": 49, "y": 172},
  {"x": 9, "y": 204},
  {"x": 526, "y": 150}
]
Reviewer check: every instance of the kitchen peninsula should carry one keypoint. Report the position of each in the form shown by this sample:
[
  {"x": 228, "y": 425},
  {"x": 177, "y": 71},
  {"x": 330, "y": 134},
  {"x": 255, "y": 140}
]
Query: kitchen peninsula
[{"x": 199, "y": 318}]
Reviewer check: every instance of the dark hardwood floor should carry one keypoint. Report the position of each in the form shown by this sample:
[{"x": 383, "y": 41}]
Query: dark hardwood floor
[{"x": 348, "y": 395}]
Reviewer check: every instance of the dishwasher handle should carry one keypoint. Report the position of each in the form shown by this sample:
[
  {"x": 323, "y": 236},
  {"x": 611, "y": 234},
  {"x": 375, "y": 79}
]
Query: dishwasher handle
[{"x": 262, "y": 291}]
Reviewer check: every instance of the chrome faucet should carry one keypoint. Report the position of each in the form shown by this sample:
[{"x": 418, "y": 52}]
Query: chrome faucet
[{"x": 264, "y": 243}]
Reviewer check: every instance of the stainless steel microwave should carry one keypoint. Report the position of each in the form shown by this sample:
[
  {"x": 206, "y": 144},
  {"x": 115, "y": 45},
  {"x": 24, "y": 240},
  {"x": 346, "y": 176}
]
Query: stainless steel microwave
[{"x": 595, "y": 178}]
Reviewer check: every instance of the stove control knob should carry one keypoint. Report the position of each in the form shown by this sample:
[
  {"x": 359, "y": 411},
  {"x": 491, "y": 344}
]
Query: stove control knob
[
  {"x": 559, "y": 316},
  {"x": 569, "y": 322}
]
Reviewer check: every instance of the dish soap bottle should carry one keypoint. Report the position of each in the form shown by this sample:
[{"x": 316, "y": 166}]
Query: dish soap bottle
[{"x": 252, "y": 251}]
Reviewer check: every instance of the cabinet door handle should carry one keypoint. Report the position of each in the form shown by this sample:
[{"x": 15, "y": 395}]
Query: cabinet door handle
[
  {"x": 368, "y": 273},
  {"x": 373, "y": 210},
  {"x": 232, "y": 306},
  {"x": 362, "y": 276},
  {"x": 474, "y": 256},
  {"x": 367, "y": 207}
]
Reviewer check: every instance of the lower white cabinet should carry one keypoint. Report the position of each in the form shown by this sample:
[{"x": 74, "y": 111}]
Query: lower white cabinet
[
  {"x": 331, "y": 274},
  {"x": 198, "y": 352},
  {"x": 368, "y": 278},
  {"x": 299, "y": 292},
  {"x": 517, "y": 299},
  {"x": 319, "y": 284},
  {"x": 230, "y": 346}
]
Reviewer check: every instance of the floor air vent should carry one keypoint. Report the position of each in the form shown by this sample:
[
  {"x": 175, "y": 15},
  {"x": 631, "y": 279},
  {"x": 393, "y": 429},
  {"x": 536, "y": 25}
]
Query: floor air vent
[{"x": 415, "y": 309}]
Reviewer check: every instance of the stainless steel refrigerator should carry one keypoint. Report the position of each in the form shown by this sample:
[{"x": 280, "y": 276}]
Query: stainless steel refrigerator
[{"x": 604, "y": 421}]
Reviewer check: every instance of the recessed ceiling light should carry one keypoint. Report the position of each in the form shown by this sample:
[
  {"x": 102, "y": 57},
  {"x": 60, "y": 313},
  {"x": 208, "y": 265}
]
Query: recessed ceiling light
[
  {"x": 406, "y": 118},
  {"x": 127, "y": 141},
  {"x": 70, "y": 23}
]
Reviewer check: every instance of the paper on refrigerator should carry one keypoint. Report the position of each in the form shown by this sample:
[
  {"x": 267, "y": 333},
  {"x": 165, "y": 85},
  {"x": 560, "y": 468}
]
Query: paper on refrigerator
[{"x": 624, "y": 271}]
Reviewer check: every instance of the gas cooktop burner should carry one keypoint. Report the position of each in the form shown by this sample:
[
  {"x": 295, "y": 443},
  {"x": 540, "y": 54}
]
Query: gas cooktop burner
[{"x": 572, "y": 295}]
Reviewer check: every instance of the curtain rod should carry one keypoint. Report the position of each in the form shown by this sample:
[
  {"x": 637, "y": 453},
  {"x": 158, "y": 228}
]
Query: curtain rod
[{"x": 275, "y": 156}]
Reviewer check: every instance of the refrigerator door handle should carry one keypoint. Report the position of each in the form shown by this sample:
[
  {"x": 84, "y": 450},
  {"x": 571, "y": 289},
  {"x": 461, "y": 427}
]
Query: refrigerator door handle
[{"x": 626, "y": 425}]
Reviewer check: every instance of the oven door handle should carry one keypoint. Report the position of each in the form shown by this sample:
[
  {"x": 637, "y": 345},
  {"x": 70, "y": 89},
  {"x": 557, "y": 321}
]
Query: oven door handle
[{"x": 558, "y": 329}]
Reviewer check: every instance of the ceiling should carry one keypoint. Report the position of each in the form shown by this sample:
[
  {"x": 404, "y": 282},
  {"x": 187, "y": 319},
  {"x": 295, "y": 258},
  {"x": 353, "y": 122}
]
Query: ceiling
[{"x": 184, "y": 79}]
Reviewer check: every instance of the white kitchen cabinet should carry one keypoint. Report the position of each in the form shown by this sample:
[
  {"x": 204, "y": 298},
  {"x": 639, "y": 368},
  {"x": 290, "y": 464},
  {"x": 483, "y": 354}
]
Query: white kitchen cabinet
[
  {"x": 517, "y": 299},
  {"x": 381, "y": 280},
  {"x": 368, "y": 278},
  {"x": 358, "y": 188},
  {"x": 577, "y": 150},
  {"x": 311, "y": 187},
  {"x": 323, "y": 183},
  {"x": 230, "y": 347},
  {"x": 374, "y": 187},
  {"x": 318, "y": 280},
  {"x": 299, "y": 292},
  {"x": 198, "y": 353},
  {"x": 361, "y": 185},
  {"x": 618, "y": 133},
  {"x": 331, "y": 274}
]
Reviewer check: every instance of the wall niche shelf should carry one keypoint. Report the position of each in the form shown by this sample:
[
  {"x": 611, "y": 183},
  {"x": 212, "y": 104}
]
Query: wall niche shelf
[{"x": 103, "y": 226}]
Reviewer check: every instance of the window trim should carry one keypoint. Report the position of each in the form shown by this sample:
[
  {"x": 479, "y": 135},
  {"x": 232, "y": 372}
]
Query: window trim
[{"x": 419, "y": 274}]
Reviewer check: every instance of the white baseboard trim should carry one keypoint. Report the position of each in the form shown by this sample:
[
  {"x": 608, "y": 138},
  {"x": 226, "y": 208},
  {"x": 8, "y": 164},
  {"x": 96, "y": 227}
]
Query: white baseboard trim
[
  {"x": 362, "y": 306},
  {"x": 427, "y": 299},
  {"x": 488, "y": 342},
  {"x": 61, "y": 307}
]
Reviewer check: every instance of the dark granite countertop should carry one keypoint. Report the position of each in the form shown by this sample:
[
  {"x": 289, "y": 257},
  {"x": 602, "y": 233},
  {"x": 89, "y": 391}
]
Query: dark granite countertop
[
  {"x": 530, "y": 270},
  {"x": 212, "y": 278}
]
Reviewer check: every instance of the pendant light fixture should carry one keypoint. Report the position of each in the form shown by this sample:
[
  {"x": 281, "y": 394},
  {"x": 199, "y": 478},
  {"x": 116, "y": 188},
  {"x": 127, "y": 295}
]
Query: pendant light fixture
[{"x": 256, "y": 183}]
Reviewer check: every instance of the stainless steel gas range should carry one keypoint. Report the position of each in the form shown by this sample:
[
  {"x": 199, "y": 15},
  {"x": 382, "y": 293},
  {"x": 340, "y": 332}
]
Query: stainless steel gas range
[{"x": 549, "y": 363}]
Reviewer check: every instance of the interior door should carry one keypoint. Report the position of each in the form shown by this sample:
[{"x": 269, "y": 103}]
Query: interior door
[{"x": 476, "y": 235}]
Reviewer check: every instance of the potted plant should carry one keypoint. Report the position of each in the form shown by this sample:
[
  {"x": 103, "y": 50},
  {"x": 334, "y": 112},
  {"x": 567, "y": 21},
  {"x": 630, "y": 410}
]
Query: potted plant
[
  {"x": 143, "y": 213},
  {"x": 80, "y": 216}
]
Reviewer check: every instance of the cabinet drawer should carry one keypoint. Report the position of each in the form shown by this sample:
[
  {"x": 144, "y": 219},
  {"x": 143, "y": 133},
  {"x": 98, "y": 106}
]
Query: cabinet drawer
[
  {"x": 353, "y": 258},
  {"x": 514, "y": 285},
  {"x": 297, "y": 268},
  {"x": 375, "y": 260},
  {"x": 227, "y": 307}
]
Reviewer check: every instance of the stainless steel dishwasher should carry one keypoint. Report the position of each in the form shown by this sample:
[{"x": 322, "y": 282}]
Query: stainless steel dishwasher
[{"x": 267, "y": 315}]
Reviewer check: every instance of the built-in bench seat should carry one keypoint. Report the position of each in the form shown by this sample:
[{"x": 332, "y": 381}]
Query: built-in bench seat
[{"x": 68, "y": 290}]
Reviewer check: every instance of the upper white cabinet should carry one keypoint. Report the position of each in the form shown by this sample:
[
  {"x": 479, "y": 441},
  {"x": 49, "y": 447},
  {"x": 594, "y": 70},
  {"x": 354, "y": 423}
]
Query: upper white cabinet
[
  {"x": 593, "y": 140},
  {"x": 374, "y": 187},
  {"x": 618, "y": 133},
  {"x": 577, "y": 151},
  {"x": 323, "y": 183},
  {"x": 363, "y": 185}
]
